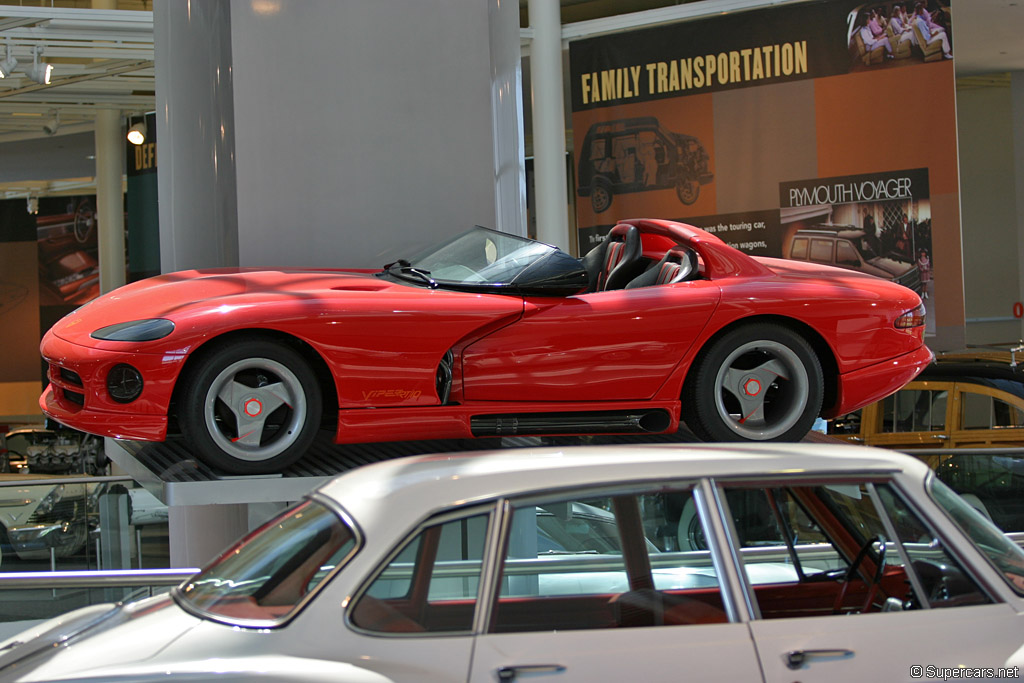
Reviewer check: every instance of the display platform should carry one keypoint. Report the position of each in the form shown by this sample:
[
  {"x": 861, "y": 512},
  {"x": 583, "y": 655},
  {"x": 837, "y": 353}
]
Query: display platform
[{"x": 172, "y": 474}]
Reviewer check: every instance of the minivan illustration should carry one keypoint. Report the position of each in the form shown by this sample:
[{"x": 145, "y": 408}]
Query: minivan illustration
[{"x": 638, "y": 154}]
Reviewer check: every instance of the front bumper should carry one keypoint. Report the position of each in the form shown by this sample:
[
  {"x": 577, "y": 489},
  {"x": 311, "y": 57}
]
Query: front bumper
[
  {"x": 77, "y": 394},
  {"x": 867, "y": 385}
]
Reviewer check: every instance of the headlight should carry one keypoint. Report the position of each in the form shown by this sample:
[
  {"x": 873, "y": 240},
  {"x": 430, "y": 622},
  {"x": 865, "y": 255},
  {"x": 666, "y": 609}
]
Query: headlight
[
  {"x": 51, "y": 499},
  {"x": 135, "y": 331}
]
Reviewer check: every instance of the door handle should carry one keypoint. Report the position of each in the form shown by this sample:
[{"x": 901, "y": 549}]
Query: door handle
[
  {"x": 940, "y": 437},
  {"x": 510, "y": 673},
  {"x": 796, "y": 658}
]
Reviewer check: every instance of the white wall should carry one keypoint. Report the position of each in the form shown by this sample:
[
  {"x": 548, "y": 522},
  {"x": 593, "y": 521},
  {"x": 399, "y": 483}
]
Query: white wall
[{"x": 353, "y": 131}]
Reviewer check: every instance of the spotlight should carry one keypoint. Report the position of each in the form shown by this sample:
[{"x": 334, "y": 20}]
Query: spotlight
[
  {"x": 40, "y": 71},
  {"x": 8, "y": 65},
  {"x": 137, "y": 133},
  {"x": 51, "y": 127}
]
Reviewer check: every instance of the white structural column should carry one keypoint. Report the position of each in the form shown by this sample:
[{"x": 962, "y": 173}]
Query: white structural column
[
  {"x": 1017, "y": 117},
  {"x": 110, "y": 198},
  {"x": 507, "y": 117},
  {"x": 549, "y": 176}
]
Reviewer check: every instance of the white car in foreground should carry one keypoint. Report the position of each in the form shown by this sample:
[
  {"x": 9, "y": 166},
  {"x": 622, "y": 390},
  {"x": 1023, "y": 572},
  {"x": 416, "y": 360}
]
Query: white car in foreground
[{"x": 809, "y": 563}]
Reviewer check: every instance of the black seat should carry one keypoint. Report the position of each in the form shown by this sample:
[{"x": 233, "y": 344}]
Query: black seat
[
  {"x": 677, "y": 265},
  {"x": 616, "y": 261}
]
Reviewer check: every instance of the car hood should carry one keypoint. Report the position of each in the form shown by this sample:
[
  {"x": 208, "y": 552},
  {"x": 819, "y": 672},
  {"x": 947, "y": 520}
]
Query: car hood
[
  {"x": 200, "y": 301},
  {"x": 82, "y": 643},
  {"x": 893, "y": 267}
]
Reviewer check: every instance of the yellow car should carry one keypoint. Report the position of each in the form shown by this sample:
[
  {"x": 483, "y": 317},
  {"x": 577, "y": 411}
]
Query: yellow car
[
  {"x": 963, "y": 402},
  {"x": 969, "y": 399}
]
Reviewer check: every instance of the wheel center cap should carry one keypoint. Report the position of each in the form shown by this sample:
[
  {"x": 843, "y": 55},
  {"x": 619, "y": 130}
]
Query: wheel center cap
[
  {"x": 253, "y": 407},
  {"x": 751, "y": 387}
]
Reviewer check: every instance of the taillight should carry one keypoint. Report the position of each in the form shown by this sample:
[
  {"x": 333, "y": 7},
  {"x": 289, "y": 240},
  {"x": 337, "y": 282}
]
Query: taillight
[{"x": 912, "y": 318}]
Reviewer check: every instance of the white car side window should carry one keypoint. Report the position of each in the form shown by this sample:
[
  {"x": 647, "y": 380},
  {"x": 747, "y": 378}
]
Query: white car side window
[
  {"x": 586, "y": 562},
  {"x": 849, "y": 545}
]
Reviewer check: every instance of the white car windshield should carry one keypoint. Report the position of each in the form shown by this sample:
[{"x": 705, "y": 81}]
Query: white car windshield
[
  {"x": 1006, "y": 555},
  {"x": 268, "y": 575}
]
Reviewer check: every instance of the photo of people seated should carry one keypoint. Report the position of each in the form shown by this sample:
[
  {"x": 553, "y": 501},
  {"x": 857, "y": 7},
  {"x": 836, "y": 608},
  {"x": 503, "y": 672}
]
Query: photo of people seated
[{"x": 891, "y": 32}]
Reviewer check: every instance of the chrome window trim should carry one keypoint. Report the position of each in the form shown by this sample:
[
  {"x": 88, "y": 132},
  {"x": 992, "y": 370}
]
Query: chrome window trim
[
  {"x": 358, "y": 540},
  {"x": 444, "y": 517}
]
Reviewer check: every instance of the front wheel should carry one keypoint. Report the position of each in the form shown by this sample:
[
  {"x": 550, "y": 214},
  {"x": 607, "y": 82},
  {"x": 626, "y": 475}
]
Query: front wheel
[
  {"x": 757, "y": 383},
  {"x": 251, "y": 408},
  {"x": 688, "y": 190}
]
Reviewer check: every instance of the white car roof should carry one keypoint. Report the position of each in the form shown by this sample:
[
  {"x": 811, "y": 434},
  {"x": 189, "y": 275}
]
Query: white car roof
[{"x": 421, "y": 484}]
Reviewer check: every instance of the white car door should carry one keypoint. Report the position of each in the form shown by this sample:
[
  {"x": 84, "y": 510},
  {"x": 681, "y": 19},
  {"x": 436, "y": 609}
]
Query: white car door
[
  {"x": 591, "y": 590},
  {"x": 911, "y": 608}
]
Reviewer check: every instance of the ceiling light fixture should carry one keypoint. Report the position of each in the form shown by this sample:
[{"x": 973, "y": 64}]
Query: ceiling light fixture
[
  {"x": 137, "y": 133},
  {"x": 8, "y": 65},
  {"x": 40, "y": 71}
]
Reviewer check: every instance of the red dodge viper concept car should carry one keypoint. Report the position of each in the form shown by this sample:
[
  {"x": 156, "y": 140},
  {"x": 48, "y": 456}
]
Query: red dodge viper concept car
[{"x": 488, "y": 334}]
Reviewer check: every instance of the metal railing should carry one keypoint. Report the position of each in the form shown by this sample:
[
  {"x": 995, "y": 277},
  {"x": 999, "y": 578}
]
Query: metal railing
[{"x": 116, "y": 578}]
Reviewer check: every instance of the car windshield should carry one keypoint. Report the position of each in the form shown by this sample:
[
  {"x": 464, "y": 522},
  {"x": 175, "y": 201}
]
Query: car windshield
[
  {"x": 1006, "y": 555},
  {"x": 273, "y": 571},
  {"x": 477, "y": 257}
]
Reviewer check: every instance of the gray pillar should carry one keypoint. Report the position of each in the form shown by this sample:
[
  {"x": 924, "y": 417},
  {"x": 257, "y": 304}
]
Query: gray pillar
[
  {"x": 110, "y": 198},
  {"x": 507, "y": 113},
  {"x": 199, "y": 533},
  {"x": 1017, "y": 116},
  {"x": 195, "y": 122},
  {"x": 548, "y": 124}
]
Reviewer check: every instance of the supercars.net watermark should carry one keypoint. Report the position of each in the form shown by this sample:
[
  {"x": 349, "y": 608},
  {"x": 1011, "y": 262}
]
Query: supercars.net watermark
[{"x": 948, "y": 673}]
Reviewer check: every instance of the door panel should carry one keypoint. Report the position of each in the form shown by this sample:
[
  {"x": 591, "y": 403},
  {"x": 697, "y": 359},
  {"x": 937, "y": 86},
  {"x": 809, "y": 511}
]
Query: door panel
[
  {"x": 917, "y": 416},
  {"x": 592, "y": 590},
  {"x": 713, "y": 652},
  {"x": 922, "y": 638},
  {"x": 986, "y": 417},
  {"x": 616, "y": 345}
]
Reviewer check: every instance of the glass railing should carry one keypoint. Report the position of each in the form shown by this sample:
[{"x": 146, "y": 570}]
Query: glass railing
[
  {"x": 31, "y": 596},
  {"x": 56, "y": 528},
  {"x": 80, "y": 523}
]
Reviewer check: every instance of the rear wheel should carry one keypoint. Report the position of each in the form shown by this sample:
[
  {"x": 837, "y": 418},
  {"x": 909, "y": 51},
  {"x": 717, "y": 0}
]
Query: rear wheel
[
  {"x": 250, "y": 408},
  {"x": 758, "y": 382},
  {"x": 600, "y": 195}
]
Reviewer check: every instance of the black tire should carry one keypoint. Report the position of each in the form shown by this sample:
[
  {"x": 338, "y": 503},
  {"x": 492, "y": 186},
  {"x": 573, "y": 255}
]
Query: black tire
[
  {"x": 758, "y": 382},
  {"x": 250, "y": 408},
  {"x": 601, "y": 195},
  {"x": 688, "y": 190},
  {"x": 690, "y": 535}
]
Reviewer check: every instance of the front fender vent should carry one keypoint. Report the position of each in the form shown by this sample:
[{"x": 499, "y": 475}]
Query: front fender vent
[{"x": 443, "y": 381}]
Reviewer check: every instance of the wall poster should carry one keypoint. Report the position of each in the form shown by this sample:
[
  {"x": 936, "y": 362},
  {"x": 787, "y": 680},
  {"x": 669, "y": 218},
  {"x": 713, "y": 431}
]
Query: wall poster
[{"x": 822, "y": 130}]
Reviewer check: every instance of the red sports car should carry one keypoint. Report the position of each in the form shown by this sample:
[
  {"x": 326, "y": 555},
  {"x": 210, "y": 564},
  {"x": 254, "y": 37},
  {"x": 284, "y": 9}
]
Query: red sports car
[{"x": 487, "y": 334}]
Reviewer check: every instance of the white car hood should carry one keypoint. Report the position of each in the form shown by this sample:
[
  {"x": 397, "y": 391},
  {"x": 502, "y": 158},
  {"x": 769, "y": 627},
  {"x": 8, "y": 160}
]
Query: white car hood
[{"x": 83, "y": 644}]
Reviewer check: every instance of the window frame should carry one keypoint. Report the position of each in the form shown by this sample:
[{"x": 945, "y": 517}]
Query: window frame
[
  {"x": 871, "y": 480},
  {"x": 494, "y": 571},
  {"x": 493, "y": 522}
]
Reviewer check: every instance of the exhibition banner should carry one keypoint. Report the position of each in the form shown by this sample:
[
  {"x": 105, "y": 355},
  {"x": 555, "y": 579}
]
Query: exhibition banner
[
  {"x": 142, "y": 219},
  {"x": 823, "y": 130},
  {"x": 48, "y": 267}
]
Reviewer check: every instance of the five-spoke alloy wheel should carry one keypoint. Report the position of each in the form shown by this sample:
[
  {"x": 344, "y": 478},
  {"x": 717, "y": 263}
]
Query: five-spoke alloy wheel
[
  {"x": 758, "y": 382},
  {"x": 251, "y": 407}
]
